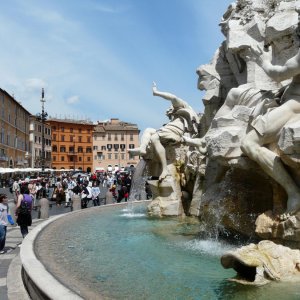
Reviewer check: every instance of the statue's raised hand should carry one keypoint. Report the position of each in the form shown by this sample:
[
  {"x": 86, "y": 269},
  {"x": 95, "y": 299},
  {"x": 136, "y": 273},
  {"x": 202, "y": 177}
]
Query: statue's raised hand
[
  {"x": 154, "y": 87},
  {"x": 259, "y": 55}
]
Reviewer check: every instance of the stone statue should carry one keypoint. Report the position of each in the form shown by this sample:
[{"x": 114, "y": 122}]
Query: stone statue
[
  {"x": 262, "y": 263},
  {"x": 266, "y": 128},
  {"x": 183, "y": 119}
]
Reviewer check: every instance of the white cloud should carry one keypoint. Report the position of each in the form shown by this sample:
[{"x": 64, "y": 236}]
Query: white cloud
[
  {"x": 73, "y": 99},
  {"x": 34, "y": 84}
]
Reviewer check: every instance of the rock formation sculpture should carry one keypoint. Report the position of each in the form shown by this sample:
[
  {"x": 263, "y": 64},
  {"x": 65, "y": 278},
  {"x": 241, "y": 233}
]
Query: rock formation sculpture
[
  {"x": 238, "y": 164},
  {"x": 262, "y": 263}
]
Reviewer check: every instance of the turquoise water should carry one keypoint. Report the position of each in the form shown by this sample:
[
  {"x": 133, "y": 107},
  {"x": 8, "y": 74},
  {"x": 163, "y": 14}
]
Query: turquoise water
[{"x": 122, "y": 255}]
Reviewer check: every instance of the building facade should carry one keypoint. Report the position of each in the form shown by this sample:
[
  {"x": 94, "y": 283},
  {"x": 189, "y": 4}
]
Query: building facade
[
  {"x": 71, "y": 144},
  {"x": 14, "y": 133},
  {"x": 35, "y": 138},
  {"x": 111, "y": 139}
]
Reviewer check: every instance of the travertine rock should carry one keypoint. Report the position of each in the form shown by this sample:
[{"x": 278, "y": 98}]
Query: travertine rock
[{"x": 262, "y": 263}]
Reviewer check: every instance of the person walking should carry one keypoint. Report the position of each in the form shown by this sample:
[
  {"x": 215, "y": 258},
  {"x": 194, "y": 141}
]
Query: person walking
[
  {"x": 3, "y": 221},
  {"x": 23, "y": 210}
]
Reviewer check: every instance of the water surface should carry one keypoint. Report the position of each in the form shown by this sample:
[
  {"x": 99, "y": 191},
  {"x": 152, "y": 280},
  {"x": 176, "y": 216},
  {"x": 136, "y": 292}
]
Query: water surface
[{"x": 118, "y": 254}]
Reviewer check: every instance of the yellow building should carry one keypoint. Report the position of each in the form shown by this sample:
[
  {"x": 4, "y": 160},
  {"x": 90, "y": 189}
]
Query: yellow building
[{"x": 111, "y": 139}]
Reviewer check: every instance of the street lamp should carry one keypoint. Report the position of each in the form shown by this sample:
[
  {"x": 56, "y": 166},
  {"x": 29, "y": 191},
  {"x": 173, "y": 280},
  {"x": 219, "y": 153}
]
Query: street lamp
[{"x": 43, "y": 117}]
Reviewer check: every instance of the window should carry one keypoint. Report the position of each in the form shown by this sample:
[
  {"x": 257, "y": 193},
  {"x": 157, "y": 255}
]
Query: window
[
  {"x": 103, "y": 137},
  {"x": 62, "y": 129},
  {"x": 88, "y": 150},
  {"x": 62, "y": 158},
  {"x": 109, "y": 136},
  {"x": 109, "y": 146},
  {"x": 62, "y": 138},
  {"x": 71, "y": 158},
  {"x": 116, "y": 156},
  {"x": 88, "y": 139},
  {"x": 54, "y": 158},
  {"x": 79, "y": 130},
  {"x": 131, "y": 137},
  {"x": 80, "y": 150},
  {"x": 116, "y": 146},
  {"x": 80, "y": 158},
  {"x": 54, "y": 137},
  {"x": 71, "y": 149},
  {"x": 89, "y": 130},
  {"x": 71, "y": 130},
  {"x": 131, "y": 146},
  {"x": 109, "y": 155},
  {"x": 122, "y": 156},
  {"x": 122, "y": 146},
  {"x": 103, "y": 148},
  {"x": 39, "y": 139},
  {"x": 80, "y": 139},
  {"x": 131, "y": 156},
  {"x": 35, "y": 139},
  {"x": 116, "y": 136},
  {"x": 88, "y": 159},
  {"x": 122, "y": 136},
  {"x": 62, "y": 149},
  {"x": 53, "y": 128},
  {"x": 54, "y": 149},
  {"x": 71, "y": 138},
  {"x": 95, "y": 147},
  {"x": 95, "y": 138}
]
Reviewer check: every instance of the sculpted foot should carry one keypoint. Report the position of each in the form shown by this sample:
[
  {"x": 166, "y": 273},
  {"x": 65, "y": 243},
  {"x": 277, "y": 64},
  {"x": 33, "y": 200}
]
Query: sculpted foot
[{"x": 137, "y": 151}]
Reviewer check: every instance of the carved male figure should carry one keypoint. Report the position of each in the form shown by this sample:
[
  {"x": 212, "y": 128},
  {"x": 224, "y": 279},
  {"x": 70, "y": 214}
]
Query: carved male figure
[
  {"x": 182, "y": 119},
  {"x": 266, "y": 128}
]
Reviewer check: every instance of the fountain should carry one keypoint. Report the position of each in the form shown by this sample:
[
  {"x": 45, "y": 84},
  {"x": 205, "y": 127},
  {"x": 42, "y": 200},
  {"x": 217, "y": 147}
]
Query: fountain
[{"x": 220, "y": 180}]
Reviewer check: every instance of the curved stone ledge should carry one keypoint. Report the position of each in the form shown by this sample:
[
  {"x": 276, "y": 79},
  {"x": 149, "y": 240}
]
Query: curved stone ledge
[{"x": 40, "y": 284}]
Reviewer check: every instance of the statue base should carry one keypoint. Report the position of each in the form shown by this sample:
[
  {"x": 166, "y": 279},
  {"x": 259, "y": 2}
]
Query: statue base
[{"x": 166, "y": 198}]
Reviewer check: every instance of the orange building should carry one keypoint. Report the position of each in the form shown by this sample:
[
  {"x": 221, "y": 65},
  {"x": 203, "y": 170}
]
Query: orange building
[{"x": 72, "y": 144}]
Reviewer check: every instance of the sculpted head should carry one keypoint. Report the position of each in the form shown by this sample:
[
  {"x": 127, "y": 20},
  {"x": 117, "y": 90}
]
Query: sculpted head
[{"x": 207, "y": 77}]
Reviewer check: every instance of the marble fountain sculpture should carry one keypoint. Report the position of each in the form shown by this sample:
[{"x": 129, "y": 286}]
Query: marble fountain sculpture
[
  {"x": 237, "y": 164},
  {"x": 234, "y": 168}
]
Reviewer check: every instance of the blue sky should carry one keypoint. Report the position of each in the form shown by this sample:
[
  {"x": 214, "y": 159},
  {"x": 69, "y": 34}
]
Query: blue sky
[{"x": 97, "y": 59}]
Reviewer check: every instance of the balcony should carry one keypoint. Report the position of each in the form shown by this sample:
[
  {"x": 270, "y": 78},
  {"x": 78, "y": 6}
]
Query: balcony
[{"x": 72, "y": 153}]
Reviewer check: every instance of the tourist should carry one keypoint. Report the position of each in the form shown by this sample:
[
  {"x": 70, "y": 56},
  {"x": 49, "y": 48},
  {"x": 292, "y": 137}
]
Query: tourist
[
  {"x": 16, "y": 189},
  {"x": 84, "y": 195},
  {"x": 3, "y": 221},
  {"x": 95, "y": 194},
  {"x": 23, "y": 210}
]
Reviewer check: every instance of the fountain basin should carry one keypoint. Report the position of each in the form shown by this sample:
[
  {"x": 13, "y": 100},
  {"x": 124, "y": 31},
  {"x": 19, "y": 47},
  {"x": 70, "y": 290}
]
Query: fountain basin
[{"x": 111, "y": 253}]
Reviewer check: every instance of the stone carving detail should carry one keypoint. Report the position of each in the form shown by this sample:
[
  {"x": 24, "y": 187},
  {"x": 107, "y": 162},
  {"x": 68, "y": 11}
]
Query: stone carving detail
[
  {"x": 241, "y": 157},
  {"x": 262, "y": 263}
]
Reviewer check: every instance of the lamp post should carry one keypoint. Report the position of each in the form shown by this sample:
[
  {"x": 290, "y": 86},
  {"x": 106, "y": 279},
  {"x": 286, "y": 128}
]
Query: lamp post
[{"x": 43, "y": 117}]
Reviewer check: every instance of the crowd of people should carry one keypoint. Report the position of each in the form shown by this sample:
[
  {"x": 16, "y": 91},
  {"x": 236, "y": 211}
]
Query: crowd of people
[
  {"x": 97, "y": 189},
  {"x": 62, "y": 188}
]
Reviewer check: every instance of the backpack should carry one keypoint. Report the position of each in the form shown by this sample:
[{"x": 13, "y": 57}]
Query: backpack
[{"x": 24, "y": 208}]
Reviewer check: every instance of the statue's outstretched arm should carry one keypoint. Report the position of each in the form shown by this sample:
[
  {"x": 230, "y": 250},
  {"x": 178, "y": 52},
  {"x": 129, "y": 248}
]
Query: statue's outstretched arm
[{"x": 176, "y": 102}]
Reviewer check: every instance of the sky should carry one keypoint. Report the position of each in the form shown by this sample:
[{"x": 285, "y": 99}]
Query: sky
[{"x": 97, "y": 59}]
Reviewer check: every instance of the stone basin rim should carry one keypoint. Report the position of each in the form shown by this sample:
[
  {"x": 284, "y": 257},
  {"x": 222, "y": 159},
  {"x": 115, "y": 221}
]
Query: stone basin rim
[{"x": 41, "y": 280}]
